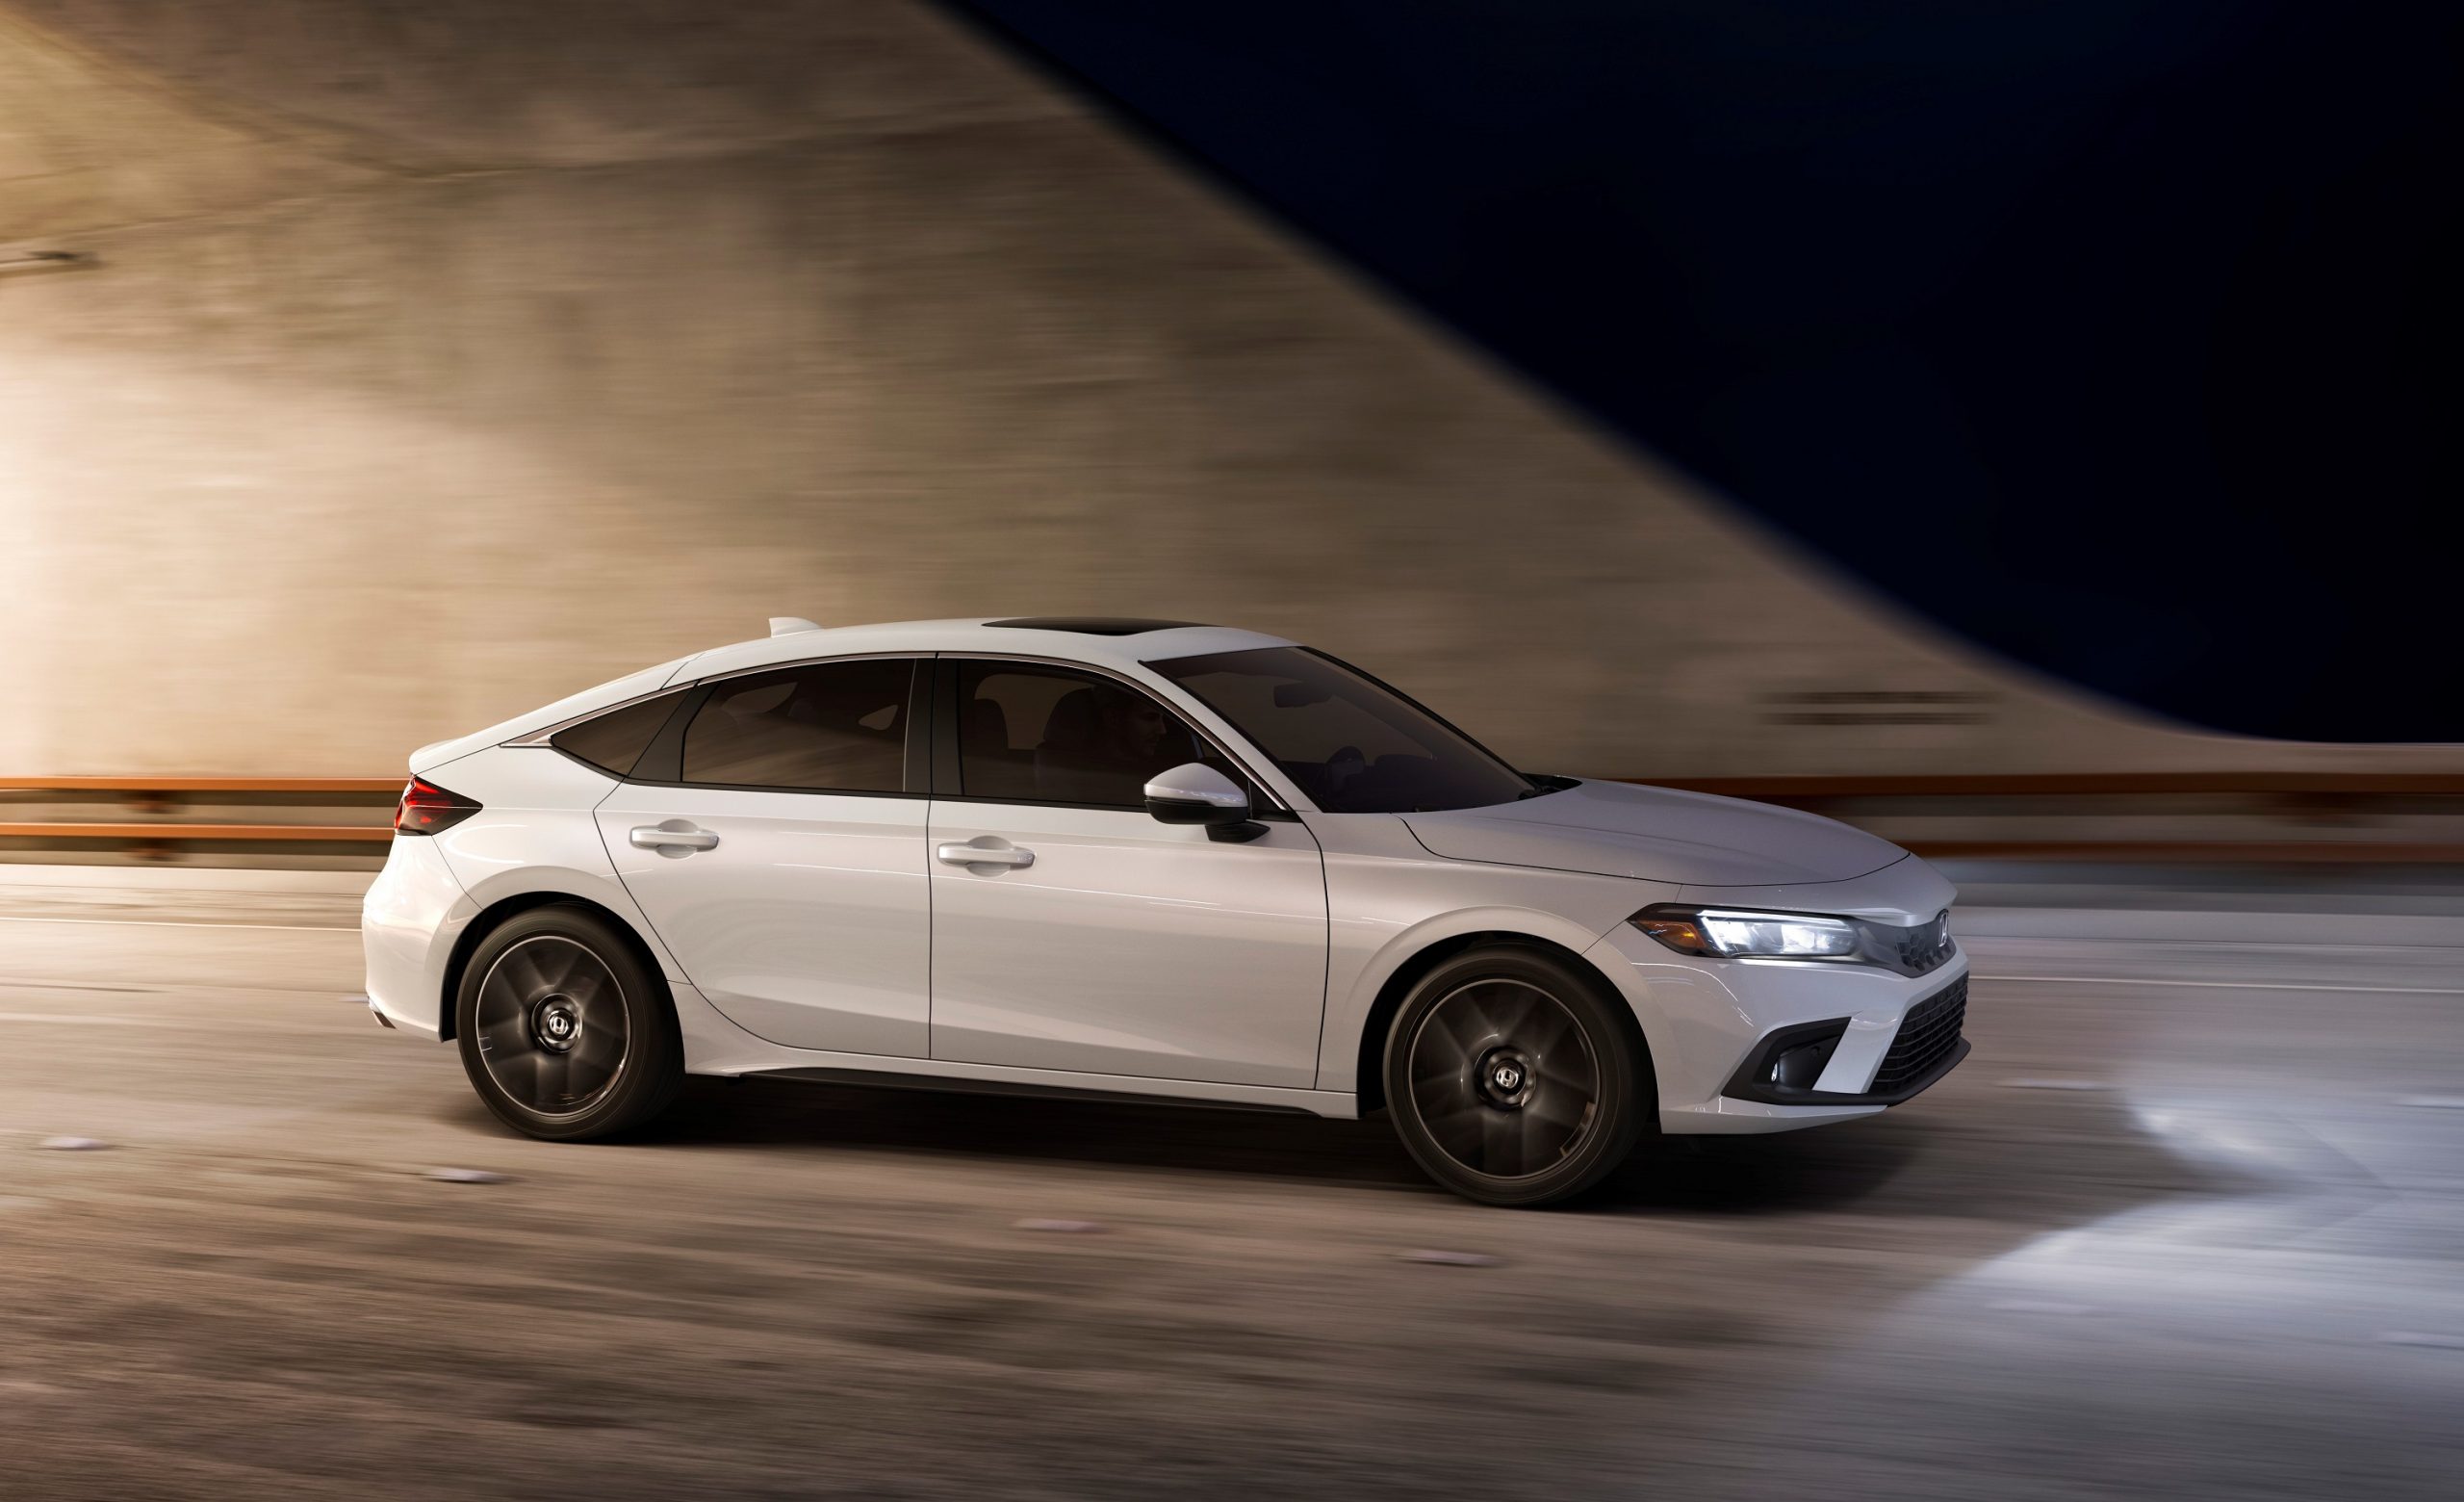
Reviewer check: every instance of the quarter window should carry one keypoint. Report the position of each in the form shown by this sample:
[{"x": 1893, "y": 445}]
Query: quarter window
[
  {"x": 616, "y": 739},
  {"x": 827, "y": 727}
]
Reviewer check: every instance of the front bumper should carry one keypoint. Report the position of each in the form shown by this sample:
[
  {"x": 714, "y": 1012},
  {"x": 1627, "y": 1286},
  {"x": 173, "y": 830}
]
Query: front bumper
[
  {"x": 1870, "y": 1037},
  {"x": 1800, "y": 1065}
]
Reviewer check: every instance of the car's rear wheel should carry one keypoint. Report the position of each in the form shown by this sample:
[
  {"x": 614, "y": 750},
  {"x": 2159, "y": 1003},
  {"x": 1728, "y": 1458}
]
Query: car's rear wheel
[
  {"x": 1511, "y": 1080},
  {"x": 565, "y": 1032}
]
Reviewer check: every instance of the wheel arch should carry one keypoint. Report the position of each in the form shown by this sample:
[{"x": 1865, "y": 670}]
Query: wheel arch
[
  {"x": 496, "y": 914},
  {"x": 1368, "y": 1077}
]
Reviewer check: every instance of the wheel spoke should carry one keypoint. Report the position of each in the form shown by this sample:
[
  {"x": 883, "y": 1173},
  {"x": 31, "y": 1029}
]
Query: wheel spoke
[
  {"x": 1509, "y": 1010},
  {"x": 1501, "y": 1143},
  {"x": 551, "y": 979},
  {"x": 1458, "y": 1131},
  {"x": 1489, "y": 1032},
  {"x": 602, "y": 1047},
  {"x": 553, "y": 1078},
  {"x": 521, "y": 972},
  {"x": 1557, "y": 1106}
]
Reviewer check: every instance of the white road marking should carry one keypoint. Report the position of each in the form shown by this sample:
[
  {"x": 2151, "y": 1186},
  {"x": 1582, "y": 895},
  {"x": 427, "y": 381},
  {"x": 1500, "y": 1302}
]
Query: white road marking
[{"x": 2230, "y": 985}]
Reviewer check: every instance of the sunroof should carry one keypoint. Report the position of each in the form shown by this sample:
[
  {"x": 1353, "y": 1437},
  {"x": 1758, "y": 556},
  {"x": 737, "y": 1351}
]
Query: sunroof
[{"x": 1092, "y": 624}]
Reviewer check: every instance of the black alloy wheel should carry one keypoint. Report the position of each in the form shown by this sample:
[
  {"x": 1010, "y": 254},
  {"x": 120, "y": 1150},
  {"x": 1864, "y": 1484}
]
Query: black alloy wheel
[
  {"x": 1511, "y": 1080},
  {"x": 565, "y": 1032}
]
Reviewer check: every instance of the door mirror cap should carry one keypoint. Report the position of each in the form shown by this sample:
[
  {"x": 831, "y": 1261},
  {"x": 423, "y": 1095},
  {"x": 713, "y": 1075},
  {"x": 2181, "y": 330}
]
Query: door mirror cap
[{"x": 1196, "y": 793}]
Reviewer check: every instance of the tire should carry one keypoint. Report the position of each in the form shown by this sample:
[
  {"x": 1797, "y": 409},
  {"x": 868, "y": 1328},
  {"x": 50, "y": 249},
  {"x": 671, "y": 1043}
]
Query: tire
[
  {"x": 565, "y": 1032},
  {"x": 1513, "y": 1079}
]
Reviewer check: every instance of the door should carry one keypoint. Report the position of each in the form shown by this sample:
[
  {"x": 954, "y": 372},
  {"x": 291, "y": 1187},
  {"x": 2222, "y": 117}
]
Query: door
[
  {"x": 774, "y": 836},
  {"x": 1090, "y": 937}
]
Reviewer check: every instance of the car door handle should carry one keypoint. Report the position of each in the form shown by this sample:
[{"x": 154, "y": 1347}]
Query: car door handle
[
  {"x": 983, "y": 855},
  {"x": 651, "y": 837}
]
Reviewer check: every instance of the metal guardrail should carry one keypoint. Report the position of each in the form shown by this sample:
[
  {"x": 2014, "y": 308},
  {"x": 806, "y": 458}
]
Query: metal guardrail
[{"x": 159, "y": 801}]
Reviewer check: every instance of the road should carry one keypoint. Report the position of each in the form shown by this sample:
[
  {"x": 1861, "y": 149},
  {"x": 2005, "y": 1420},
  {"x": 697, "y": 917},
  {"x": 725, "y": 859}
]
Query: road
[{"x": 2188, "y": 1223}]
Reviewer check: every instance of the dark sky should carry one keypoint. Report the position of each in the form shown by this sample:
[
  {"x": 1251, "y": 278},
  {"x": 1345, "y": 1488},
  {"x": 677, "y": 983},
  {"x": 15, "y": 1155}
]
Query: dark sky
[{"x": 2112, "y": 336}]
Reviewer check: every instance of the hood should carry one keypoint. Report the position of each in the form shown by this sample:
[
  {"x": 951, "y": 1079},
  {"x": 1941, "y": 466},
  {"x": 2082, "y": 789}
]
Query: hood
[{"x": 1656, "y": 834}]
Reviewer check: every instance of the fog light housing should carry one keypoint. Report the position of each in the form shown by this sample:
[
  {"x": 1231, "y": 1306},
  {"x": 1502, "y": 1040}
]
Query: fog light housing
[
  {"x": 1786, "y": 1068},
  {"x": 1799, "y": 1067}
]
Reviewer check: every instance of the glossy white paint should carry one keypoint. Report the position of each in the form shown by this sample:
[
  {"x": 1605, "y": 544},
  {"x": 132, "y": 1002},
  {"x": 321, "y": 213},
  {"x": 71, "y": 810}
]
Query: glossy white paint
[
  {"x": 1710, "y": 1013},
  {"x": 1656, "y": 834},
  {"x": 414, "y": 903},
  {"x": 820, "y": 931},
  {"x": 1389, "y": 900},
  {"x": 1129, "y": 947},
  {"x": 805, "y": 921}
]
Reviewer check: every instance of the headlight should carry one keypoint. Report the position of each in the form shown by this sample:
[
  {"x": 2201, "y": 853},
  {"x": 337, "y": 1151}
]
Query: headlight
[{"x": 1721, "y": 933}]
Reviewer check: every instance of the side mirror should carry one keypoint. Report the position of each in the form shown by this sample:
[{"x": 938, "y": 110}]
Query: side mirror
[{"x": 1196, "y": 793}]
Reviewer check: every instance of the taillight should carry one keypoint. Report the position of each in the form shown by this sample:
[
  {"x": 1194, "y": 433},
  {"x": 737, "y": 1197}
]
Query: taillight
[{"x": 427, "y": 809}]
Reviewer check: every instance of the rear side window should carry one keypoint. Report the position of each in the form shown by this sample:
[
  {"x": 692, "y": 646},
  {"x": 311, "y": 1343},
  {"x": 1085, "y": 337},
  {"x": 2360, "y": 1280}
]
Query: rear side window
[
  {"x": 616, "y": 739},
  {"x": 827, "y": 727}
]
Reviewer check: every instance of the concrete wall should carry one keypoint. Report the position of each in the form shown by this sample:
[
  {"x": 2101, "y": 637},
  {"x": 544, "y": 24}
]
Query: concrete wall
[{"x": 438, "y": 361}]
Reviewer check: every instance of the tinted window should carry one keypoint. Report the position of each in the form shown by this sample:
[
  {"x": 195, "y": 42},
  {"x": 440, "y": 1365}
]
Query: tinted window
[
  {"x": 1048, "y": 734},
  {"x": 831, "y": 727},
  {"x": 616, "y": 739},
  {"x": 1355, "y": 746}
]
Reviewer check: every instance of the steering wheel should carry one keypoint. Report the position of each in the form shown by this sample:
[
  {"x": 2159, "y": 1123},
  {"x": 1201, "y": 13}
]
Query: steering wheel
[{"x": 1345, "y": 764}]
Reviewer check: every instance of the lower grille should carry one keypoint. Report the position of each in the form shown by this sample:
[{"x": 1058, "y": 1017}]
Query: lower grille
[{"x": 1927, "y": 1035}]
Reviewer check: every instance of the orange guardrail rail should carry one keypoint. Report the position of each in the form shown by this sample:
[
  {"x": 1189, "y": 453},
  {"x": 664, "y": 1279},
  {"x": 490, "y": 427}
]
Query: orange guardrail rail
[
  {"x": 165, "y": 798},
  {"x": 2275, "y": 792}
]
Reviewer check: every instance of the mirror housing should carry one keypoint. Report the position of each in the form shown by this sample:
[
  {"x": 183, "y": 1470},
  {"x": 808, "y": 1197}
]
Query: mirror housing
[{"x": 1196, "y": 793}]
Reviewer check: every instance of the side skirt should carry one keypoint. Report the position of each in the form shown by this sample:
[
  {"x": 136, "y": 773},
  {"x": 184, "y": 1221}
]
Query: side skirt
[{"x": 945, "y": 1085}]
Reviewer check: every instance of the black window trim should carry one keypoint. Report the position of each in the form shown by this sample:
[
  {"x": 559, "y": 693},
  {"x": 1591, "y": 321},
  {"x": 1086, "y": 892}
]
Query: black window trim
[
  {"x": 666, "y": 749},
  {"x": 946, "y": 719}
]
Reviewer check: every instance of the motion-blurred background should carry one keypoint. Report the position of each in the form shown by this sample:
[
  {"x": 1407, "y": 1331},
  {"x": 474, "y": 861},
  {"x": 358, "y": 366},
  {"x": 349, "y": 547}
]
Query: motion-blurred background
[{"x": 2015, "y": 429}]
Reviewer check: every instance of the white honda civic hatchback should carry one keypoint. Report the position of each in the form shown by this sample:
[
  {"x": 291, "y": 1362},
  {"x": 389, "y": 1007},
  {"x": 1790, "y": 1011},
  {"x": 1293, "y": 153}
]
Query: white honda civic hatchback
[{"x": 1138, "y": 858}]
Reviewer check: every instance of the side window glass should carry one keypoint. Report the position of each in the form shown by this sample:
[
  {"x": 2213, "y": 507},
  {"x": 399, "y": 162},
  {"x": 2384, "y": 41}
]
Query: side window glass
[
  {"x": 828, "y": 727},
  {"x": 1030, "y": 734},
  {"x": 616, "y": 739}
]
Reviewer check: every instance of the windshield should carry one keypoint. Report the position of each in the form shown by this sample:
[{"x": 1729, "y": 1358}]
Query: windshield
[{"x": 1355, "y": 746}]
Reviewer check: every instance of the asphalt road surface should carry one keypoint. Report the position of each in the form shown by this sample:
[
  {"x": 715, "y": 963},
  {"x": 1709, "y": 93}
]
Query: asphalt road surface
[{"x": 2190, "y": 1222}]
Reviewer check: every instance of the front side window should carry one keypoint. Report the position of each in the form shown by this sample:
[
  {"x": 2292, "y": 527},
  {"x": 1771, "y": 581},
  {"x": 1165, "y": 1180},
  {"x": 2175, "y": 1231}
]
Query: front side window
[
  {"x": 826, "y": 727},
  {"x": 1351, "y": 743},
  {"x": 1032, "y": 734}
]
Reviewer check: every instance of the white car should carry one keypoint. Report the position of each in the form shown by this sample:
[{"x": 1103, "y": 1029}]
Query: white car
[{"x": 1138, "y": 858}]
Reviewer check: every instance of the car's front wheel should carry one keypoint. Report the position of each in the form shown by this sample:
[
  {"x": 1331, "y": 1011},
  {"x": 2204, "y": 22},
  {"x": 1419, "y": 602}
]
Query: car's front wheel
[
  {"x": 1511, "y": 1080},
  {"x": 565, "y": 1032}
]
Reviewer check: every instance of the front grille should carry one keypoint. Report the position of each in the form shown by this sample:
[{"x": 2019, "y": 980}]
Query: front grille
[
  {"x": 1912, "y": 951},
  {"x": 1928, "y": 1033}
]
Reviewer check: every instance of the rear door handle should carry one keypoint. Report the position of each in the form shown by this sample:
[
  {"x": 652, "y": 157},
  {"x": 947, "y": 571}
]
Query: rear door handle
[
  {"x": 983, "y": 855},
  {"x": 652, "y": 837}
]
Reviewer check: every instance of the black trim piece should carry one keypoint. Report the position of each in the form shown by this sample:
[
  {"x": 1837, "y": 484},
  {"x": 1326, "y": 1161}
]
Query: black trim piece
[
  {"x": 945, "y": 1084},
  {"x": 945, "y": 729},
  {"x": 1752, "y": 1081},
  {"x": 919, "y": 729},
  {"x": 1096, "y": 625},
  {"x": 664, "y": 764}
]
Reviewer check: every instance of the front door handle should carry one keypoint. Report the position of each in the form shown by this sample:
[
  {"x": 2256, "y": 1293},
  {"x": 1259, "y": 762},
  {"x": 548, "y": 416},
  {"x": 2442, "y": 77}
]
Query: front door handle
[
  {"x": 983, "y": 855},
  {"x": 657, "y": 837}
]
